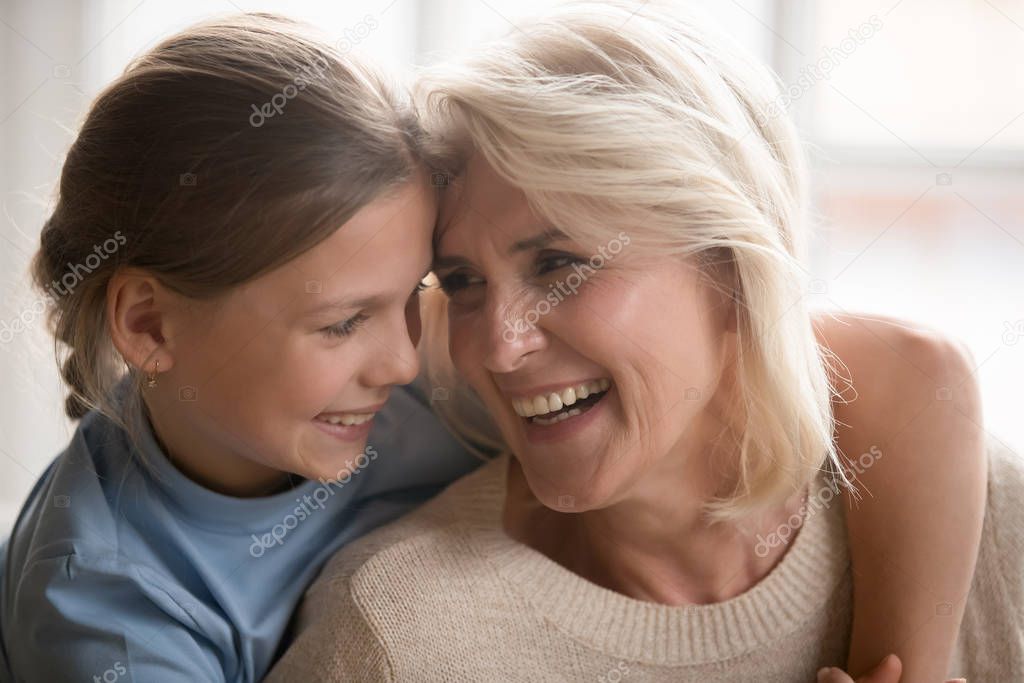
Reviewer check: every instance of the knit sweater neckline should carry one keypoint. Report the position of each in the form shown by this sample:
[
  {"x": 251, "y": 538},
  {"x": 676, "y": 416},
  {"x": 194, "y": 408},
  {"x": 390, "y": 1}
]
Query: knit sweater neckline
[{"x": 793, "y": 592}]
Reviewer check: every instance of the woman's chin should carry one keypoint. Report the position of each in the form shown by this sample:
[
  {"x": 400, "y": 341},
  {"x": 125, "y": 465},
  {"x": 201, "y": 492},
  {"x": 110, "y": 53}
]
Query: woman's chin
[{"x": 565, "y": 487}]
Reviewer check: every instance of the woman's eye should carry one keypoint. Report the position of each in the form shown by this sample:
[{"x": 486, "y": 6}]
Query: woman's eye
[
  {"x": 346, "y": 327},
  {"x": 547, "y": 264},
  {"x": 457, "y": 281}
]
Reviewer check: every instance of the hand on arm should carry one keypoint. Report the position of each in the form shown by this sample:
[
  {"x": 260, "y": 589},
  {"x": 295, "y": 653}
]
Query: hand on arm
[{"x": 887, "y": 671}]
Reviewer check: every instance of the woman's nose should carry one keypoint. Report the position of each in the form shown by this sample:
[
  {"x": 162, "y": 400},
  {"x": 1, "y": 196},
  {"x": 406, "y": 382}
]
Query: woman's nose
[{"x": 511, "y": 337}]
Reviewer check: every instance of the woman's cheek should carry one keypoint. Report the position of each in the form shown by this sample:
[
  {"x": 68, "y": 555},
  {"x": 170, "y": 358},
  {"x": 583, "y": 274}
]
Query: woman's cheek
[
  {"x": 459, "y": 334},
  {"x": 601, "y": 302}
]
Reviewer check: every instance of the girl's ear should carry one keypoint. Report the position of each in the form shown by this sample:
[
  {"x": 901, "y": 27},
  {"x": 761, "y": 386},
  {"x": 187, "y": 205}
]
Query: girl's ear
[{"x": 140, "y": 315}]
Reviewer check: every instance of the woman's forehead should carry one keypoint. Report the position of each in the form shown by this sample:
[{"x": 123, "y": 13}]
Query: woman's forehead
[{"x": 480, "y": 198}]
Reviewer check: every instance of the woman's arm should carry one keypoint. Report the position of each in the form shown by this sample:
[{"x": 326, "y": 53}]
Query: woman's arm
[{"x": 914, "y": 533}]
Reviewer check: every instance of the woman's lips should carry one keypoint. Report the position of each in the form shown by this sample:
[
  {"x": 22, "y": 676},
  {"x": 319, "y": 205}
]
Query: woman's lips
[{"x": 567, "y": 427}]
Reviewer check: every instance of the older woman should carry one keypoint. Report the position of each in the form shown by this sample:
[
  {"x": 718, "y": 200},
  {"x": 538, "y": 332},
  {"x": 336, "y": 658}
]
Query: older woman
[{"x": 619, "y": 247}]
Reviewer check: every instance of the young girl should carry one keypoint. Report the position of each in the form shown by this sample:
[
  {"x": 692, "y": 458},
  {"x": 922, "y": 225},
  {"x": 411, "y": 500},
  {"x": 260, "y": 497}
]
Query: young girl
[
  {"x": 233, "y": 266},
  {"x": 264, "y": 221}
]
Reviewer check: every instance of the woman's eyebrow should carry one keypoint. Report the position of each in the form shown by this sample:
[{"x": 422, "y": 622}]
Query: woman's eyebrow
[
  {"x": 444, "y": 262},
  {"x": 538, "y": 241}
]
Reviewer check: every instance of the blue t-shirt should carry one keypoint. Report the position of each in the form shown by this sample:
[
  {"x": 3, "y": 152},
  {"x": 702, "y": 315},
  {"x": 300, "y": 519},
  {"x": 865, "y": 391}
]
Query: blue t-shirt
[{"x": 119, "y": 571}]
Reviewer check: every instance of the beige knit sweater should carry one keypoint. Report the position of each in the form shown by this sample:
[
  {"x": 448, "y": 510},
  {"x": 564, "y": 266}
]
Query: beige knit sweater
[{"x": 445, "y": 595}]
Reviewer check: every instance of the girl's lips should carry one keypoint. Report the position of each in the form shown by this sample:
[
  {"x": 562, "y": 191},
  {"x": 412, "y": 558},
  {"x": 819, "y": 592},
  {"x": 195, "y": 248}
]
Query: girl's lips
[
  {"x": 375, "y": 408},
  {"x": 347, "y": 433},
  {"x": 537, "y": 433}
]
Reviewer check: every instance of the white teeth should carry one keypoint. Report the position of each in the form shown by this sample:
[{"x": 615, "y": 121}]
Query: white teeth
[
  {"x": 568, "y": 396},
  {"x": 558, "y": 418},
  {"x": 539, "y": 405},
  {"x": 543, "y": 404},
  {"x": 347, "y": 419}
]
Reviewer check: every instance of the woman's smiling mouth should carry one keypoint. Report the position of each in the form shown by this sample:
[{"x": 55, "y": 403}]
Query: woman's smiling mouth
[
  {"x": 556, "y": 401},
  {"x": 542, "y": 410}
]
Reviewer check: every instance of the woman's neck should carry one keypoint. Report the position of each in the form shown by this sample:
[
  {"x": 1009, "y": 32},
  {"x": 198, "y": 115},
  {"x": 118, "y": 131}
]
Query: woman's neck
[{"x": 656, "y": 545}]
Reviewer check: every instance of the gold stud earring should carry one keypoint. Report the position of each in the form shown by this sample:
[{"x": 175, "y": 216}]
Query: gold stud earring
[{"x": 151, "y": 377}]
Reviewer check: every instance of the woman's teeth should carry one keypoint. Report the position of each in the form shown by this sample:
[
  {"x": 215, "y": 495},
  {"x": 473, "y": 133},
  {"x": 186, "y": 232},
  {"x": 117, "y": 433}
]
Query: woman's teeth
[
  {"x": 557, "y": 400},
  {"x": 346, "y": 419},
  {"x": 557, "y": 418}
]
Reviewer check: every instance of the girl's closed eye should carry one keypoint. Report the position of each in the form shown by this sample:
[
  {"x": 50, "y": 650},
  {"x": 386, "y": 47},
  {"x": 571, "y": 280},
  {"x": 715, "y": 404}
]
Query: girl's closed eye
[{"x": 346, "y": 327}]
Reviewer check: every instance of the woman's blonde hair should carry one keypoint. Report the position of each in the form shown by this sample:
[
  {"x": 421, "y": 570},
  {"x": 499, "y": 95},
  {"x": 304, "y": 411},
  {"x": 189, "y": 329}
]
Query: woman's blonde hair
[{"x": 624, "y": 116}]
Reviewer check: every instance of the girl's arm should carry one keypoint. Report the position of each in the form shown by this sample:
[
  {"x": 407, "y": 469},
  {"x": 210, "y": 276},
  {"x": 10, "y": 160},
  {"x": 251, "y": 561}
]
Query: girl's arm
[
  {"x": 86, "y": 618},
  {"x": 914, "y": 533}
]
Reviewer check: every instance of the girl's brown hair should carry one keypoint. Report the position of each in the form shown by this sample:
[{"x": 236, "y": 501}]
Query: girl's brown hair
[{"x": 219, "y": 155}]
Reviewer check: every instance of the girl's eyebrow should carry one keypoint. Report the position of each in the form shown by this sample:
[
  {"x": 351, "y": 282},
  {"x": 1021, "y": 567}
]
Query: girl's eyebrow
[{"x": 341, "y": 303}]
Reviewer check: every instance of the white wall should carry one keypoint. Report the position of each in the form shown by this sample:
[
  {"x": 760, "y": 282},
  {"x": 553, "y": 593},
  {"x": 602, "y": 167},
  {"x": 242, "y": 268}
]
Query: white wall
[{"x": 41, "y": 98}]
